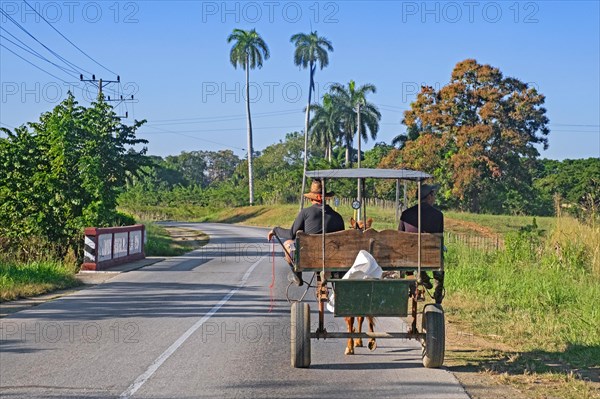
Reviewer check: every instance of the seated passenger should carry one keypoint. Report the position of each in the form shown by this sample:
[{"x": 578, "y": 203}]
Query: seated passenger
[
  {"x": 309, "y": 220},
  {"x": 432, "y": 221}
]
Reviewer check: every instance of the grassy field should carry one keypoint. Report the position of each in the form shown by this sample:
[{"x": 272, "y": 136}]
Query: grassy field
[
  {"x": 172, "y": 241},
  {"x": 42, "y": 274},
  {"x": 283, "y": 215},
  {"x": 20, "y": 280},
  {"x": 535, "y": 306},
  {"x": 502, "y": 224}
]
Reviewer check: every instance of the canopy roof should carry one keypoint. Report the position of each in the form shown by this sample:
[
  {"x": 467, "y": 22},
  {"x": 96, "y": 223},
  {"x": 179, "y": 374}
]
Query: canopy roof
[{"x": 364, "y": 173}]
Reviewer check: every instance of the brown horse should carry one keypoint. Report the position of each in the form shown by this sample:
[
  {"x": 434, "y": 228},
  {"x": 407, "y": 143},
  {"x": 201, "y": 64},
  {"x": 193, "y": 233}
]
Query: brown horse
[{"x": 350, "y": 320}]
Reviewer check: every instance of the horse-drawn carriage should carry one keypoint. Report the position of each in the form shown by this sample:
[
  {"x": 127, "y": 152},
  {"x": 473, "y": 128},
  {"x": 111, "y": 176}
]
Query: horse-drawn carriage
[{"x": 330, "y": 255}]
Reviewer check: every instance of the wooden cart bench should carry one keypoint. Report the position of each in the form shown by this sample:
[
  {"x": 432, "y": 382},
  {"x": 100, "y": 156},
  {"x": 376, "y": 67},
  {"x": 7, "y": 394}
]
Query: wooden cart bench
[{"x": 392, "y": 249}]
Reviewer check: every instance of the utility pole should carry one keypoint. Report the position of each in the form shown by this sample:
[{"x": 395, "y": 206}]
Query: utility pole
[
  {"x": 99, "y": 83},
  {"x": 120, "y": 100},
  {"x": 358, "y": 191}
]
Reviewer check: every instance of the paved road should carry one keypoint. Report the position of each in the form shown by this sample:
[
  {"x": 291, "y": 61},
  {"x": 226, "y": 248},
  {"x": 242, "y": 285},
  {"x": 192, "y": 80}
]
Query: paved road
[{"x": 199, "y": 325}]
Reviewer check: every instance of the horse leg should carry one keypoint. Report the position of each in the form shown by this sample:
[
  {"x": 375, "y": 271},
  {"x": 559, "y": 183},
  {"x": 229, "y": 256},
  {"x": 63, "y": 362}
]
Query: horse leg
[
  {"x": 350, "y": 346},
  {"x": 358, "y": 342},
  {"x": 372, "y": 344}
]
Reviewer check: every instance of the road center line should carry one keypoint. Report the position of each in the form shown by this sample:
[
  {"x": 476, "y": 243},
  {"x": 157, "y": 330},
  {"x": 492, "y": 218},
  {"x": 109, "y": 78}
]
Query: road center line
[{"x": 141, "y": 380}]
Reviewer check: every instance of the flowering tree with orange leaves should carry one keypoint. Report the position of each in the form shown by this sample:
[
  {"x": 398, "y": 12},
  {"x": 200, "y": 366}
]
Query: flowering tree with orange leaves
[{"x": 477, "y": 135}]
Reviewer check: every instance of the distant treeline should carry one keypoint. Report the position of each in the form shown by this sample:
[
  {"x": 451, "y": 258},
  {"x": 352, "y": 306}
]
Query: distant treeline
[
  {"x": 477, "y": 136},
  {"x": 219, "y": 179}
]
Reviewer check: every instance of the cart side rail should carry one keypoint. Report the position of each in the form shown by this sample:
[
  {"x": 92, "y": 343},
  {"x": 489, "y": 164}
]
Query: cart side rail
[{"x": 393, "y": 250}]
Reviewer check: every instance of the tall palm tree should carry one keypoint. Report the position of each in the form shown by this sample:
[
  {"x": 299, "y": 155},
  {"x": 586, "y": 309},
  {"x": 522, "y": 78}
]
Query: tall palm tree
[
  {"x": 325, "y": 125},
  {"x": 248, "y": 52},
  {"x": 357, "y": 115},
  {"x": 310, "y": 49}
]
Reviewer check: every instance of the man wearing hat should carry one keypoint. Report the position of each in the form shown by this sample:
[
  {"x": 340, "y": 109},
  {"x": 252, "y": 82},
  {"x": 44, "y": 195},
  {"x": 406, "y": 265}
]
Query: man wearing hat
[
  {"x": 432, "y": 221},
  {"x": 309, "y": 220}
]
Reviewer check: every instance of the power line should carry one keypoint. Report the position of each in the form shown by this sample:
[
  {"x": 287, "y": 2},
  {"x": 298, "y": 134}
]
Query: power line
[
  {"x": 35, "y": 53},
  {"x": 67, "y": 62},
  {"x": 222, "y": 130},
  {"x": 566, "y": 124},
  {"x": 31, "y": 63},
  {"x": 64, "y": 37},
  {"x": 205, "y": 118},
  {"x": 193, "y": 137},
  {"x": 28, "y": 49},
  {"x": 7, "y": 125},
  {"x": 218, "y": 119},
  {"x": 42, "y": 69}
]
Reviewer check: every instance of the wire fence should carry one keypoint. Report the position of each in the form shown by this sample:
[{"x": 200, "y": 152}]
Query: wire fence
[
  {"x": 373, "y": 202},
  {"x": 486, "y": 243}
]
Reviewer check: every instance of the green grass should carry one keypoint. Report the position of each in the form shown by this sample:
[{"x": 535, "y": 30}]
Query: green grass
[
  {"x": 284, "y": 214},
  {"x": 161, "y": 243},
  {"x": 538, "y": 301},
  {"x": 190, "y": 213},
  {"x": 20, "y": 280},
  {"x": 503, "y": 223}
]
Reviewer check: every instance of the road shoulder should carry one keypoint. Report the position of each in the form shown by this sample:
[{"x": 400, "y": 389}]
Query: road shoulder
[{"x": 86, "y": 279}]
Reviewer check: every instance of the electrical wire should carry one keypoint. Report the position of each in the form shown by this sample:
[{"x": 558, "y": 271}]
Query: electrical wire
[
  {"x": 221, "y": 130},
  {"x": 35, "y": 53},
  {"x": 195, "y": 138},
  {"x": 31, "y": 63},
  {"x": 212, "y": 121},
  {"x": 64, "y": 37},
  {"x": 83, "y": 92},
  {"x": 226, "y": 117},
  {"x": 67, "y": 62}
]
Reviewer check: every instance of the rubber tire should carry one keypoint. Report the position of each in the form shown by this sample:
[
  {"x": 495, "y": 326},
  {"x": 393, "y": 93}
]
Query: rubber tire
[
  {"x": 300, "y": 335},
  {"x": 435, "y": 338}
]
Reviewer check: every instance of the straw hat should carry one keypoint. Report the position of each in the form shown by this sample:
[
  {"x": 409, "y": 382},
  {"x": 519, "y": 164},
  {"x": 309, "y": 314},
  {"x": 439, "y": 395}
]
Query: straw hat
[{"x": 316, "y": 191}]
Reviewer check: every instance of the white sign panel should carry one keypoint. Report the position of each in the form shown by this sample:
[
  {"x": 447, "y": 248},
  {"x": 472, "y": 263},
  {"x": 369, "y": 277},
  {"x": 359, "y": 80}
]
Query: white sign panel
[
  {"x": 135, "y": 242},
  {"x": 121, "y": 243},
  {"x": 104, "y": 247}
]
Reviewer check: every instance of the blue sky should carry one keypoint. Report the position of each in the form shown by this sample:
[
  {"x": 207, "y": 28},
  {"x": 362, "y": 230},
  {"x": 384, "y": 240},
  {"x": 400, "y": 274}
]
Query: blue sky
[{"x": 174, "y": 58}]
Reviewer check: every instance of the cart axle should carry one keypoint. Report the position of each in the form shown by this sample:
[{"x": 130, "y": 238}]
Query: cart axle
[{"x": 378, "y": 335}]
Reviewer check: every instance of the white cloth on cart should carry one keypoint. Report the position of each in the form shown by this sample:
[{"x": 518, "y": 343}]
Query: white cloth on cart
[{"x": 365, "y": 267}]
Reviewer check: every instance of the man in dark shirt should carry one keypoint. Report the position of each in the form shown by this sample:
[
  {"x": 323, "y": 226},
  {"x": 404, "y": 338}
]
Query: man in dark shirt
[
  {"x": 309, "y": 220},
  {"x": 432, "y": 221}
]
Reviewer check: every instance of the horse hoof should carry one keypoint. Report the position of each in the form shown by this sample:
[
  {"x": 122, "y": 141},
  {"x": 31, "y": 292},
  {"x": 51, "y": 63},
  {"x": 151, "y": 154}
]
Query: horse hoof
[
  {"x": 349, "y": 351},
  {"x": 372, "y": 345},
  {"x": 358, "y": 343}
]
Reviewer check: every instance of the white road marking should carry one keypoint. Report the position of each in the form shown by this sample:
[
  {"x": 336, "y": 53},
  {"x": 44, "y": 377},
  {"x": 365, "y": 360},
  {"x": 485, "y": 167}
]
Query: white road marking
[{"x": 141, "y": 380}]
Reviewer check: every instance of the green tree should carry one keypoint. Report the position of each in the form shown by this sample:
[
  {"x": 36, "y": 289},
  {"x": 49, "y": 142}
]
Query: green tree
[
  {"x": 325, "y": 126},
  {"x": 220, "y": 165},
  {"x": 248, "y": 52},
  {"x": 65, "y": 172},
  {"x": 575, "y": 181},
  {"x": 477, "y": 135},
  {"x": 279, "y": 170},
  {"x": 357, "y": 115},
  {"x": 191, "y": 165},
  {"x": 310, "y": 50}
]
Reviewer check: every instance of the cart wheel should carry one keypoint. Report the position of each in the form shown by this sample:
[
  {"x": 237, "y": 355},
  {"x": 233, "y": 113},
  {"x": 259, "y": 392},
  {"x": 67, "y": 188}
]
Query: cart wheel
[
  {"x": 300, "y": 335},
  {"x": 435, "y": 338}
]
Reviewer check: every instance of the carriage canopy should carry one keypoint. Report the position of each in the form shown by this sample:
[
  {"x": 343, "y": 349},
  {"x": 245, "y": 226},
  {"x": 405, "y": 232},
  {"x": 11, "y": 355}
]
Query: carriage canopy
[{"x": 364, "y": 173}]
